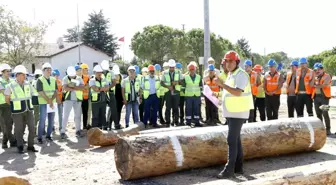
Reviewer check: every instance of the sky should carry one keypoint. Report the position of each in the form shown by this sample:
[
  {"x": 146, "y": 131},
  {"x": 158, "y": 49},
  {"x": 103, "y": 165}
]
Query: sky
[{"x": 299, "y": 28}]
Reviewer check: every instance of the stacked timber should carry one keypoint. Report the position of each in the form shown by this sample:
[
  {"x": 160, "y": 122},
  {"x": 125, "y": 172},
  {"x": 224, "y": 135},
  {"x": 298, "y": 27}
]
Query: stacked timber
[{"x": 10, "y": 178}]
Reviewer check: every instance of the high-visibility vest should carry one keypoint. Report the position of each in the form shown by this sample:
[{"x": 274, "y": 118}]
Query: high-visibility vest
[
  {"x": 128, "y": 87},
  {"x": 211, "y": 83},
  {"x": 59, "y": 89},
  {"x": 326, "y": 89},
  {"x": 48, "y": 89},
  {"x": 79, "y": 93},
  {"x": 20, "y": 101},
  {"x": 223, "y": 76},
  {"x": 253, "y": 81},
  {"x": 86, "y": 79},
  {"x": 108, "y": 79},
  {"x": 261, "y": 90},
  {"x": 34, "y": 82},
  {"x": 237, "y": 106},
  {"x": 182, "y": 92},
  {"x": 4, "y": 83},
  {"x": 192, "y": 87},
  {"x": 96, "y": 96},
  {"x": 273, "y": 82},
  {"x": 163, "y": 90},
  {"x": 288, "y": 78},
  {"x": 176, "y": 79},
  {"x": 307, "y": 79},
  {"x": 147, "y": 86}
]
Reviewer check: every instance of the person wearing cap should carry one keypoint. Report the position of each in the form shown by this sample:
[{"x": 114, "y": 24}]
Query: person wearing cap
[
  {"x": 322, "y": 94},
  {"x": 303, "y": 88},
  {"x": 18, "y": 94},
  {"x": 237, "y": 101},
  {"x": 78, "y": 70},
  {"x": 6, "y": 121},
  {"x": 144, "y": 72},
  {"x": 150, "y": 91},
  {"x": 99, "y": 89},
  {"x": 165, "y": 66},
  {"x": 211, "y": 109},
  {"x": 171, "y": 79},
  {"x": 37, "y": 74},
  {"x": 162, "y": 93},
  {"x": 130, "y": 87},
  {"x": 59, "y": 100},
  {"x": 255, "y": 82},
  {"x": 290, "y": 88},
  {"x": 213, "y": 62},
  {"x": 85, "y": 103},
  {"x": 179, "y": 68},
  {"x": 272, "y": 86},
  {"x": 73, "y": 86},
  {"x": 260, "y": 98},
  {"x": 46, "y": 87}
]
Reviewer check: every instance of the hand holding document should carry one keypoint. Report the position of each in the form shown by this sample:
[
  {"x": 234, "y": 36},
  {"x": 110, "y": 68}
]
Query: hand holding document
[{"x": 208, "y": 93}]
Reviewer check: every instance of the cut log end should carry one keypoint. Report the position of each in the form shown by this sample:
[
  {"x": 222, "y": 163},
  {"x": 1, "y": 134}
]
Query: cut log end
[
  {"x": 122, "y": 158},
  {"x": 93, "y": 135},
  {"x": 11, "y": 180}
]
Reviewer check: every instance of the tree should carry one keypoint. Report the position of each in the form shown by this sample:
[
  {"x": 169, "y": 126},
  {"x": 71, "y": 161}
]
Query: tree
[
  {"x": 258, "y": 59},
  {"x": 95, "y": 33},
  {"x": 244, "y": 46},
  {"x": 19, "y": 41},
  {"x": 72, "y": 35},
  {"x": 329, "y": 64},
  {"x": 180, "y": 50},
  {"x": 320, "y": 57}
]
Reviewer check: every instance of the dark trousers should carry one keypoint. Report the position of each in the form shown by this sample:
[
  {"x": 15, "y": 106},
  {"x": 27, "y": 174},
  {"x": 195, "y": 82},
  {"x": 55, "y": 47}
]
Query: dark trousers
[
  {"x": 318, "y": 101},
  {"x": 172, "y": 104},
  {"x": 291, "y": 105},
  {"x": 6, "y": 124},
  {"x": 141, "y": 111},
  {"x": 272, "y": 106},
  {"x": 20, "y": 122},
  {"x": 151, "y": 109},
  {"x": 192, "y": 109},
  {"x": 235, "y": 148},
  {"x": 112, "y": 115},
  {"x": 120, "y": 105},
  {"x": 301, "y": 101},
  {"x": 99, "y": 114},
  {"x": 85, "y": 109},
  {"x": 181, "y": 106},
  {"x": 212, "y": 112},
  {"x": 252, "y": 115},
  {"x": 162, "y": 100},
  {"x": 260, "y": 105}
]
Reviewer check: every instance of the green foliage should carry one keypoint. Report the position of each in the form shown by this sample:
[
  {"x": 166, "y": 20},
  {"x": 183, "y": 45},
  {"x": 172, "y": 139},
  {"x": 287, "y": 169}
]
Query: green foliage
[
  {"x": 320, "y": 57},
  {"x": 72, "y": 35},
  {"x": 244, "y": 46},
  {"x": 258, "y": 59},
  {"x": 329, "y": 64},
  {"x": 123, "y": 65}
]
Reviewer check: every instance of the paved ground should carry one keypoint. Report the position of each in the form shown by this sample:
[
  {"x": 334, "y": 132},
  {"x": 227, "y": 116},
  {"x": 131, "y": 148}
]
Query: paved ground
[{"x": 74, "y": 161}]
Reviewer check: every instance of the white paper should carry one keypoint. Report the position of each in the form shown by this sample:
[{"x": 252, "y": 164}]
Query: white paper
[
  {"x": 208, "y": 93},
  {"x": 75, "y": 82},
  {"x": 50, "y": 110}
]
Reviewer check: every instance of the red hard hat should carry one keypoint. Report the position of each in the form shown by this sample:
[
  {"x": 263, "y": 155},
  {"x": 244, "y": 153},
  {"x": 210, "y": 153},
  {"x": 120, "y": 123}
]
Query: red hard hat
[
  {"x": 258, "y": 67},
  {"x": 232, "y": 55},
  {"x": 151, "y": 68}
]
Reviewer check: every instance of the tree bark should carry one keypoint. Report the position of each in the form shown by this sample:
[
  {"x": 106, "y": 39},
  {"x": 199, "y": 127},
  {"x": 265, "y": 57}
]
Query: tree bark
[
  {"x": 151, "y": 131},
  {"x": 7, "y": 178},
  {"x": 166, "y": 152}
]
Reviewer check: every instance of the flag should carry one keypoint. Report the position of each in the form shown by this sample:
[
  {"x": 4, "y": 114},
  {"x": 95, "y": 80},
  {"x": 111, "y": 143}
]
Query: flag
[{"x": 122, "y": 39}]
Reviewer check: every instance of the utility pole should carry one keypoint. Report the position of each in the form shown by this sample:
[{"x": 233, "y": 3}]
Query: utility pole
[
  {"x": 183, "y": 26},
  {"x": 79, "y": 39},
  {"x": 207, "y": 49}
]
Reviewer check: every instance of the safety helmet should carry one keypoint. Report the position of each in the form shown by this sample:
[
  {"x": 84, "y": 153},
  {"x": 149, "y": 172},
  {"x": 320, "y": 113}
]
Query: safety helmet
[
  {"x": 178, "y": 65},
  {"x": 318, "y": 65},
  {"x": 211, "y": 60},
  {"x": 5, "y": 67},
  {"x": 294, "y": 63},
  {"x": 303, "y": 60},
  {"x": 56, "y": 72},
  {"x": 132, "y": 68},
  {"x": 272, "y": 63},
  {"x": 46, "y": 65},
  {"x": 116, "y": 70},
  {"x": 136, "y": 68},
  {"x": 20, "y": 69},
  {"x": 191, "y": 67},
  {"x": 105, "y": 65},
  {"x": 157, "y": 67},
  {"x": 151, "y": 68},
  {"x": 165, "y": 64},
  {"x": 77, "y": 67},
  {"x": 71, "y": 71},
  {"x": 171, "y": 63},
  {"x": 144, "y": 70},
  {"x": 38, "y": 72},
  {"x": 84, "y": 66},
  {"x": 248, "y": 63},
  {"x": 211, "y": 67},
  {"x": 193, "y": 63},
  {"x": 232, "y": 55},
  {"x": 97, "y": 69},
  {"x": 258, "y": 67}
]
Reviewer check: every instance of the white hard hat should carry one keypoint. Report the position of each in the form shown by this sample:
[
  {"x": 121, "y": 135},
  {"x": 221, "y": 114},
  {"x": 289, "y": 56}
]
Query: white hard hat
[
  {"x": 105, "y": 65},
  {"x": 46, "y": 65},
  {"x": 116, "y": 70},
  {"x": 211, "y": 59},
  {"x": 171, "y": 63},
  {"x": 145, "y": 69},
  {"x": 38, "y": 72},
  {"x": 193, "y": 63},
  {"x": 20, "y": 69},
  {"x": 4, "y": 67},
  {"x": 131, "y": 68},
  {"x": 71, "y": 71},
  {"x": 98, "y": 69},
  {"x": 165, "y": 64}
]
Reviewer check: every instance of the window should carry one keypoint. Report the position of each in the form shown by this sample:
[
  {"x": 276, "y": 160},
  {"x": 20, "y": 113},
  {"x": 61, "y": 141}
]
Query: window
[
  {"x": 333, "y": 82},
  {"x": 95, "y": 63}
]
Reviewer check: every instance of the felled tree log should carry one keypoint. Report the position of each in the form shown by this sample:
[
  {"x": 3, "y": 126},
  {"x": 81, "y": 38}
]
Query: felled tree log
[
  {"x": 9, "y": 178},
  {"x": 166, "y": 152},
  {"x": 98, "y": 137},
  {"x": 163, "y": 130}
]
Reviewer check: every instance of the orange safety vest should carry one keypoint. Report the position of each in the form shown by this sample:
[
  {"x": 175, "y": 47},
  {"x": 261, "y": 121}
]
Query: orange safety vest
[
  {"x": 59, "y": 89},
  {"x": 86, "y": 79},
  {"x": 327, "y": 89},
  {"x": 308, "y": 77},
  {"x": 288, "y": 78},
  {"x": 253, "y": 81},
  {"x": 213, "y": 86},
  {"x": 272, "y": 82}
]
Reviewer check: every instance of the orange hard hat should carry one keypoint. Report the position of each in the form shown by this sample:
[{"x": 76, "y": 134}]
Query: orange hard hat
[
  {"x": 258, "y": 67},
  {"x": 232, "y": 55},
  {"x": 151, "y": 68},
  {"x": 191, "y": 67}
]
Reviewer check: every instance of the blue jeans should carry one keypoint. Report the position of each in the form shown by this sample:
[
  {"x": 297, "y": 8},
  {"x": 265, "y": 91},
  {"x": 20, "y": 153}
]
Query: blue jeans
[
  {"x": 60, "y": 115},
  {"x": 134, "y": 107},
  {"x": 43, "y": 117},
  {"x": 152, "y": 104},
  {"x": 192, "y": 108}
]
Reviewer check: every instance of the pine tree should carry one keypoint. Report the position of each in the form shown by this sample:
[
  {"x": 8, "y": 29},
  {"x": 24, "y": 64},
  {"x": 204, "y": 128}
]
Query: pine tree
[{"x": 243, "y": 45}]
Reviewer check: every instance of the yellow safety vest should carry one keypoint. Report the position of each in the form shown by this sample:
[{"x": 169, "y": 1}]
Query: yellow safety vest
[
  {"x": 237, "y": 106},
  {"x": 192, "y": 87},
  {"x": 49, "y": 90},
  {"x": 20, "y": 101},
  {"x": 261, "y": 90},
  {"x": 108, "y": 79},
  {"x": 35, "y": 93},
  {"x": 176, "y": 79},
  {"x": 4, "y": 83},
  {"x": 147, "y": 86},
  {"x": 79, "y": 93},
  {"x": 128, "y": 87},
  {"x": 95, "y": 96}
]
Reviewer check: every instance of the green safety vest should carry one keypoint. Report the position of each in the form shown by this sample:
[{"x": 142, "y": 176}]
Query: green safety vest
[
  {"x": 35, "y": 93},
  {"x": 237, "y": 106},
  {"x": 128, "y": 87},
  {"x": 147, "y": 86},
  {"x": 4, "y": 83},
  {"x": 108, "y": 79},
  {"x": 49, "y": 90},
  {"x": 176, "y": 79},
  {"x": 95, "y": 96},
  {"x": 192, "y": 87},
  {"x": 79, "y": 94},
  {"x": 261, "y": 90},
  {"x": 20, "y": 101}
]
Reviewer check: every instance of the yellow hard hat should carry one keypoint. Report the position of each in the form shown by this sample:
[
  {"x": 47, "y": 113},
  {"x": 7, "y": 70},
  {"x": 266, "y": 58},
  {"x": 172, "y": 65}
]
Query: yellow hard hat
[{"x": 84, "y": 66}]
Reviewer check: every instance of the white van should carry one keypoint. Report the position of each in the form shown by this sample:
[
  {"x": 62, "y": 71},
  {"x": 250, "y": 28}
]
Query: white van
[{"x": 333, "y": 87}]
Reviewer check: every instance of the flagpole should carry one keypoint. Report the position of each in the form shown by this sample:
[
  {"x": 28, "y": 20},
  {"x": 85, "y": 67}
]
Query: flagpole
[
  {"x": 79, "y": 38},
  {"x": 124, "y": 50}
]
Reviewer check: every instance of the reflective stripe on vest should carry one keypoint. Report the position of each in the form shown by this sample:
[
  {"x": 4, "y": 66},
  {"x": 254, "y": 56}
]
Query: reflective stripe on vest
[
  {"x": 253, "y": 81},
  {"x": 146, "y": 89},
  {"x": 326, "y": 89},
  {"x": 288, "y": 78},
  {"x": 85, "y": 91},
  {"x": 49, "y": 90},
  {"x": 261, "y": 90},
  {"x": 176, "y": 79},
  {"x": 272, "y": 82},
  {"x": 128, "y": 87},
  {"x": 79, "y": 94},
  {"x": 95, "y": 96},
  {"x": 20, "y": 100},
  {"x": 307, "y": 79},
  {"x": 4, "y": 83},
  {"x": 237, "y": 106},
  {"x": 192, "y": 87}
]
